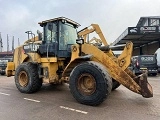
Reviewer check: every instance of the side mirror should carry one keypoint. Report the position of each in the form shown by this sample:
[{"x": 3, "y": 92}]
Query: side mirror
[{"x": 80, "y": 41}]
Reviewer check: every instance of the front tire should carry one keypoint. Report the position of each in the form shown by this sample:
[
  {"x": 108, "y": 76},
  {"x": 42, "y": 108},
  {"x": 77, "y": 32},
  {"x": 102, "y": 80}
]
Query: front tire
[
  {"x": 90, "y": 83},
  {"x": 27, "y": 79}
]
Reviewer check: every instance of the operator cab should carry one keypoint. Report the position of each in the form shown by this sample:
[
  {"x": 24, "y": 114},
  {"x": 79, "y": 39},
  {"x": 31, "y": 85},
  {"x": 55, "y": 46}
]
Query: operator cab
[{"x": 58, "y": 36}]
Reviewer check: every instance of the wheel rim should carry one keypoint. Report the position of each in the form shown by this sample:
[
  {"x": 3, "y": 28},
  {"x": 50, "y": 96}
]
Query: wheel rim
[
  {"x": 86, "y": 84},
  {"x": 23, "y": 78}
]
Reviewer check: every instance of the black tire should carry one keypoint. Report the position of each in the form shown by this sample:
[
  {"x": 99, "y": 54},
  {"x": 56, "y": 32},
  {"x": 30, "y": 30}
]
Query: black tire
[
  {"x": 27, "y": 79},
  {"x": 115, "y": 84},
  {"x": 90, "y": 83},
  {"x": 2, "y": 73},
  {"x": 154, "y": 74}
]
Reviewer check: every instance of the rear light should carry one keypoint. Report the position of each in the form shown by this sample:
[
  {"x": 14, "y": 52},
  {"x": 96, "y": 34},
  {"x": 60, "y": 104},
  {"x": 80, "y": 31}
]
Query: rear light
[{"x": 137, "y": 63}]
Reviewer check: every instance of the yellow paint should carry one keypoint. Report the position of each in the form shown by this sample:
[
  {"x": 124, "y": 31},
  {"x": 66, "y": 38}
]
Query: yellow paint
[
  {"x": 49, "y": 59},
  {"x": 50, "y": 76},
  {"x": 124, "y": 59},
  {"x": 10, "y": 68}
]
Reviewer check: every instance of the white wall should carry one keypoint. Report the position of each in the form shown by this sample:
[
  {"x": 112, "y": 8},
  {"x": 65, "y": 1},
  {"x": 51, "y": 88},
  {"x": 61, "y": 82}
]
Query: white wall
[{"x": 158, "y": 57}]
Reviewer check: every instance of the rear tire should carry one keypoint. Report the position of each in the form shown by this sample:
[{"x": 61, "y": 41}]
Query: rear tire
[
  {"x": 154, "y": 74},
  {"x": 27, "y": 79},
  {"x": 90, "y": 83}
]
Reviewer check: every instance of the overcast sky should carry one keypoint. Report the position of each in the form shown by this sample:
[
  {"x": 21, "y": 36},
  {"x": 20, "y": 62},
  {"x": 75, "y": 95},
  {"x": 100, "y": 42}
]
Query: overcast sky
[{"x": 113, "y": 16}]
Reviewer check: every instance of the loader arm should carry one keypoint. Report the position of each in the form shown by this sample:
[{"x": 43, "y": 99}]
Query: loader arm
[
  {"x": 92, "y": 28},
  {"x": 123, "y": 60},
  {"x": 113, "y": 68},
  {"x": 138, "y": 84},
  {"x": 117, "y": 67}
]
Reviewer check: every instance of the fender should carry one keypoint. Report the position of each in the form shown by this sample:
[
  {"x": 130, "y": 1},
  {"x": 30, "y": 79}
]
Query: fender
[{"x": 75, "y": 62}]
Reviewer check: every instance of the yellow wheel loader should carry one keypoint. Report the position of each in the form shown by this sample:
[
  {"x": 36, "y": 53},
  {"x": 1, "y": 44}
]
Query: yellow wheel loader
[{"x": 61, "y": 54}]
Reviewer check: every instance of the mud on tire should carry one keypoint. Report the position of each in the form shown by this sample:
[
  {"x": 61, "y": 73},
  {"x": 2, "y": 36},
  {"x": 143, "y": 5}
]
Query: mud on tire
[{"x": 26, "y": 78}]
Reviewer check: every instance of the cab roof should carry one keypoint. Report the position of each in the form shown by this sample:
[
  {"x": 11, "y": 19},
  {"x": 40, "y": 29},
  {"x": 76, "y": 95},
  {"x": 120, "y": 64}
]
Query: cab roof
[{"x": 59, "y": 18}]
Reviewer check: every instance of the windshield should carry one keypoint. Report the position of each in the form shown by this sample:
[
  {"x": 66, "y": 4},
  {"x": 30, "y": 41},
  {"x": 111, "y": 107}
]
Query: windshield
[
  {"x": 50, "y": 32},
  {"x": 68, "y": 35}
]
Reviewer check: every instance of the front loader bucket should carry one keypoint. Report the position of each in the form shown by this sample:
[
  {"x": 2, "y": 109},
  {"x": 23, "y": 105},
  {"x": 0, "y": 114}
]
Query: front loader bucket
[{"x": 146, "y": 88}]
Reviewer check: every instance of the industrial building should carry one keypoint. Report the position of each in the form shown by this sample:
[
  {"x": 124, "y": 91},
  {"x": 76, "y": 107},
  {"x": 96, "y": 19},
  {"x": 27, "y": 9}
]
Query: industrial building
[{"x": 145, "y": 36}]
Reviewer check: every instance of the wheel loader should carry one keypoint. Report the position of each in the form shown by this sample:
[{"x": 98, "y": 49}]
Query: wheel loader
[{"x": 63, "y": 55}]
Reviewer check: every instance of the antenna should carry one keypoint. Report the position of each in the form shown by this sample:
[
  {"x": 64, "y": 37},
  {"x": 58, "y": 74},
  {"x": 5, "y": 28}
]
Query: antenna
[
  {"x": 13, "y": 44},
  {"x": 7, "y": 43},
  {"x": 1, "y": 43}
]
